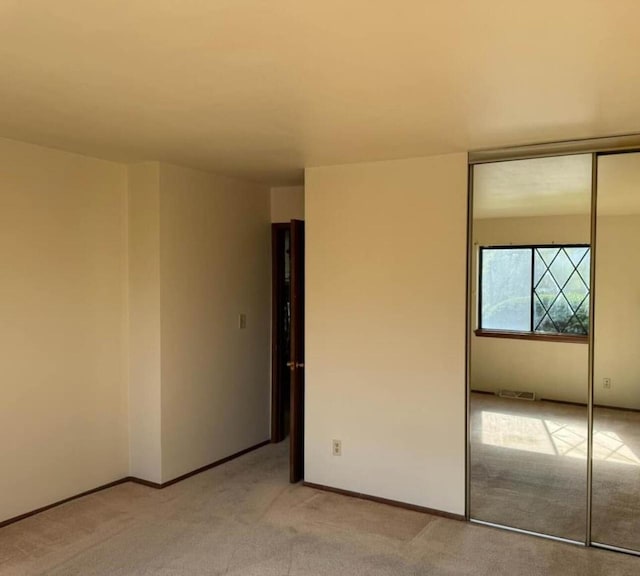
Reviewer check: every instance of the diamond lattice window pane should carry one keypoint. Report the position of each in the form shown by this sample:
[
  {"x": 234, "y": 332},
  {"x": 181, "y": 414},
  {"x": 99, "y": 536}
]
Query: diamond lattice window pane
[
  {"x": 548, "y": 254},
  {"x": 547, "y": 288},
  {"x": 539, "y": 267},
  {"x": 562, "y": 290},
  {"x": 576, "y": 253},
  {"x": 539, "y": 311},
  {"x": 546, "y": 325},
  {"x": 584, "y": 268},
  {"x": 575, "y": 290},
  {"x": 582, "y": 315},
  {"x": 574, "y": 327},
  {"x": 545, "y": 294},
  {"x": 561, "y": 268},
  {"x": 561, "y": 313}
]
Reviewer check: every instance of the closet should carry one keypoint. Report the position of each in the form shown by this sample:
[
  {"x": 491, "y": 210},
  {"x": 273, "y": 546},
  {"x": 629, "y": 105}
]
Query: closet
[{"x": 553, "y": 359}]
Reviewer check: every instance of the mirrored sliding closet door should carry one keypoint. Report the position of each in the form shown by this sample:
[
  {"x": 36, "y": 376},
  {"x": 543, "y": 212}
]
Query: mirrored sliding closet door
[
  {"x": 529, "y": 351},
  {"x": 615, "y": 517}
]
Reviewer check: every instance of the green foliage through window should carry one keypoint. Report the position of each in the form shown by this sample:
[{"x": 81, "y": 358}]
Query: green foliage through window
[{"x": 540, "y": 289}]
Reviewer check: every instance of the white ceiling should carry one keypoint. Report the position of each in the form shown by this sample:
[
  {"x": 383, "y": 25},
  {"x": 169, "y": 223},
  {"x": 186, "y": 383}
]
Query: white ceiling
[
  {"x": 556, "y": 186},
  {"x": 262, "y": 88}
]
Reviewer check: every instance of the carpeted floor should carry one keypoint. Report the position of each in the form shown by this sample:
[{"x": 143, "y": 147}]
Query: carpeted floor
[
  {"x": 529, "y": 469},
  {"x": 244, "y": 518}
]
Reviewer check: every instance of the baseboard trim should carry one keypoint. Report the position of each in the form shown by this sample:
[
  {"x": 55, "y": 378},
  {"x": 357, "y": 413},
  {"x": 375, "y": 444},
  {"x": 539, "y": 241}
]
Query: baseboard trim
[
  {"x": 396, "y": 503},
  {"x": 567, "y": 402},
  {"x": 4, "y": 523},
  {"x": 199, "y": 470},
  {"x": 616, "y": 408},
  {"x": 147, "y": 483},
  {"x": 135, "y": 480}
]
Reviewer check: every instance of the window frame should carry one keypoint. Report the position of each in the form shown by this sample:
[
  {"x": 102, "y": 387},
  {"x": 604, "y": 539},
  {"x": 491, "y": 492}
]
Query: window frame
[{"x": 529, "y": 334}]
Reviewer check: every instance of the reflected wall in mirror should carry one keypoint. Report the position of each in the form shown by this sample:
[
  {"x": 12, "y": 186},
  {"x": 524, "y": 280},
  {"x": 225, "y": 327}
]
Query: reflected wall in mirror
[
  {"x": 528, "y": 374},
  {"x": 616, "y": 416}
]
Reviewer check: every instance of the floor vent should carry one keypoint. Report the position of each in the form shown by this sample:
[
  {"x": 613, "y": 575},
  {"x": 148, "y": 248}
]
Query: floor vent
[{"x": 518, "y": 395}]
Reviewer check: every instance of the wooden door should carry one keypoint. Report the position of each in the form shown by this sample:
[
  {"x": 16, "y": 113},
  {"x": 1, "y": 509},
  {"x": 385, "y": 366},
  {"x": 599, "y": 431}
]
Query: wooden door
[
  {"x": 280, "y": 331},
  {"x": 296, "y": 365}
]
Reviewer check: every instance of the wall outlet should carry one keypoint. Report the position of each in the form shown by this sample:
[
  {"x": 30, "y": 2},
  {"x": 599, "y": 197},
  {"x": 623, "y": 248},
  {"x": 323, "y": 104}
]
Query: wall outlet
[
  {"x": 606, "y": 383},
  {"x": 242, "y": 321},
  {"x": 336, "y": 447}
]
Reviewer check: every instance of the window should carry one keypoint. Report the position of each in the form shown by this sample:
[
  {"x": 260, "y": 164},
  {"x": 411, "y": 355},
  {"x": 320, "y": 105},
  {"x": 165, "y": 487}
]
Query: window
[{"x": 535, "y": 290}]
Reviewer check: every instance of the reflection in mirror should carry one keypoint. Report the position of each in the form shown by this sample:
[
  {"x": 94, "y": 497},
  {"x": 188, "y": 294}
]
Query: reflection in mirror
[
  {"x": 616, "y": 416},
  {"x": 529, "y": 365}
]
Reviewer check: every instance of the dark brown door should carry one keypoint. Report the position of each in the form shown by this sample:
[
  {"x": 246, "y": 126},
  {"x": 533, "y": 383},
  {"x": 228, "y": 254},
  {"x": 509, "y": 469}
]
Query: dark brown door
[
  {"x": 296, "y": 365},
  {"x": 281, "y": 332}
]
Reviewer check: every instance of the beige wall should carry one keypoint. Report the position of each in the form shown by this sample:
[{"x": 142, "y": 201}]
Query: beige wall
[
  {"x": 385, "y": 349},
  {"x": 63, "y": 391},
  {"x": 617, "y": 310},
  {"x": 199, "y": 257},
  {"x": 144, "y": 321},
  {"x": 92, "y": 310},
  {"x": 287, "y": 203},
  {"x": 214, "y": 265},
  {"x": 533, "y": 230},
  {"x": 553, "y": 370}
]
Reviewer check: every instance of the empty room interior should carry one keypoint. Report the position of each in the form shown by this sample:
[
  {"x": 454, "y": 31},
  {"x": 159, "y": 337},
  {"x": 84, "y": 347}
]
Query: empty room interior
[{"x": 319, "y": 288}]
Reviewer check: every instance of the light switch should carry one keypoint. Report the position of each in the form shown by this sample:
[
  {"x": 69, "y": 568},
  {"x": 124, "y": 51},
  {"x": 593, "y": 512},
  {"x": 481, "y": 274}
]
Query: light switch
[{"x": 242, "y": 321}]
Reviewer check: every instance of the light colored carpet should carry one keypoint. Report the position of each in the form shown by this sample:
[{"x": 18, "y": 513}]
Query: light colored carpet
[
  {"x": 616, "y": 479},
  {"x": 522, "y": 475},
  {"x": 529, "y": 469},
  {"x": 244, "y": 518}
]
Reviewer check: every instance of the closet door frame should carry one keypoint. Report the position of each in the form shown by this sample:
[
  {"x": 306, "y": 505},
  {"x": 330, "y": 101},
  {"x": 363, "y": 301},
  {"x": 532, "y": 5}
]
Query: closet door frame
[
  {"x": 597, "y": 147},
  {"x": 594, "y": 224}
]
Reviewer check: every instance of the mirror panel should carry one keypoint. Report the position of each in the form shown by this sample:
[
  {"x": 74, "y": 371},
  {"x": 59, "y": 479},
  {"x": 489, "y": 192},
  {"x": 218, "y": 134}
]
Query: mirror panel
[
  {"x": 528, "y": 373},
  {"x": 615, "y": 517}
]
